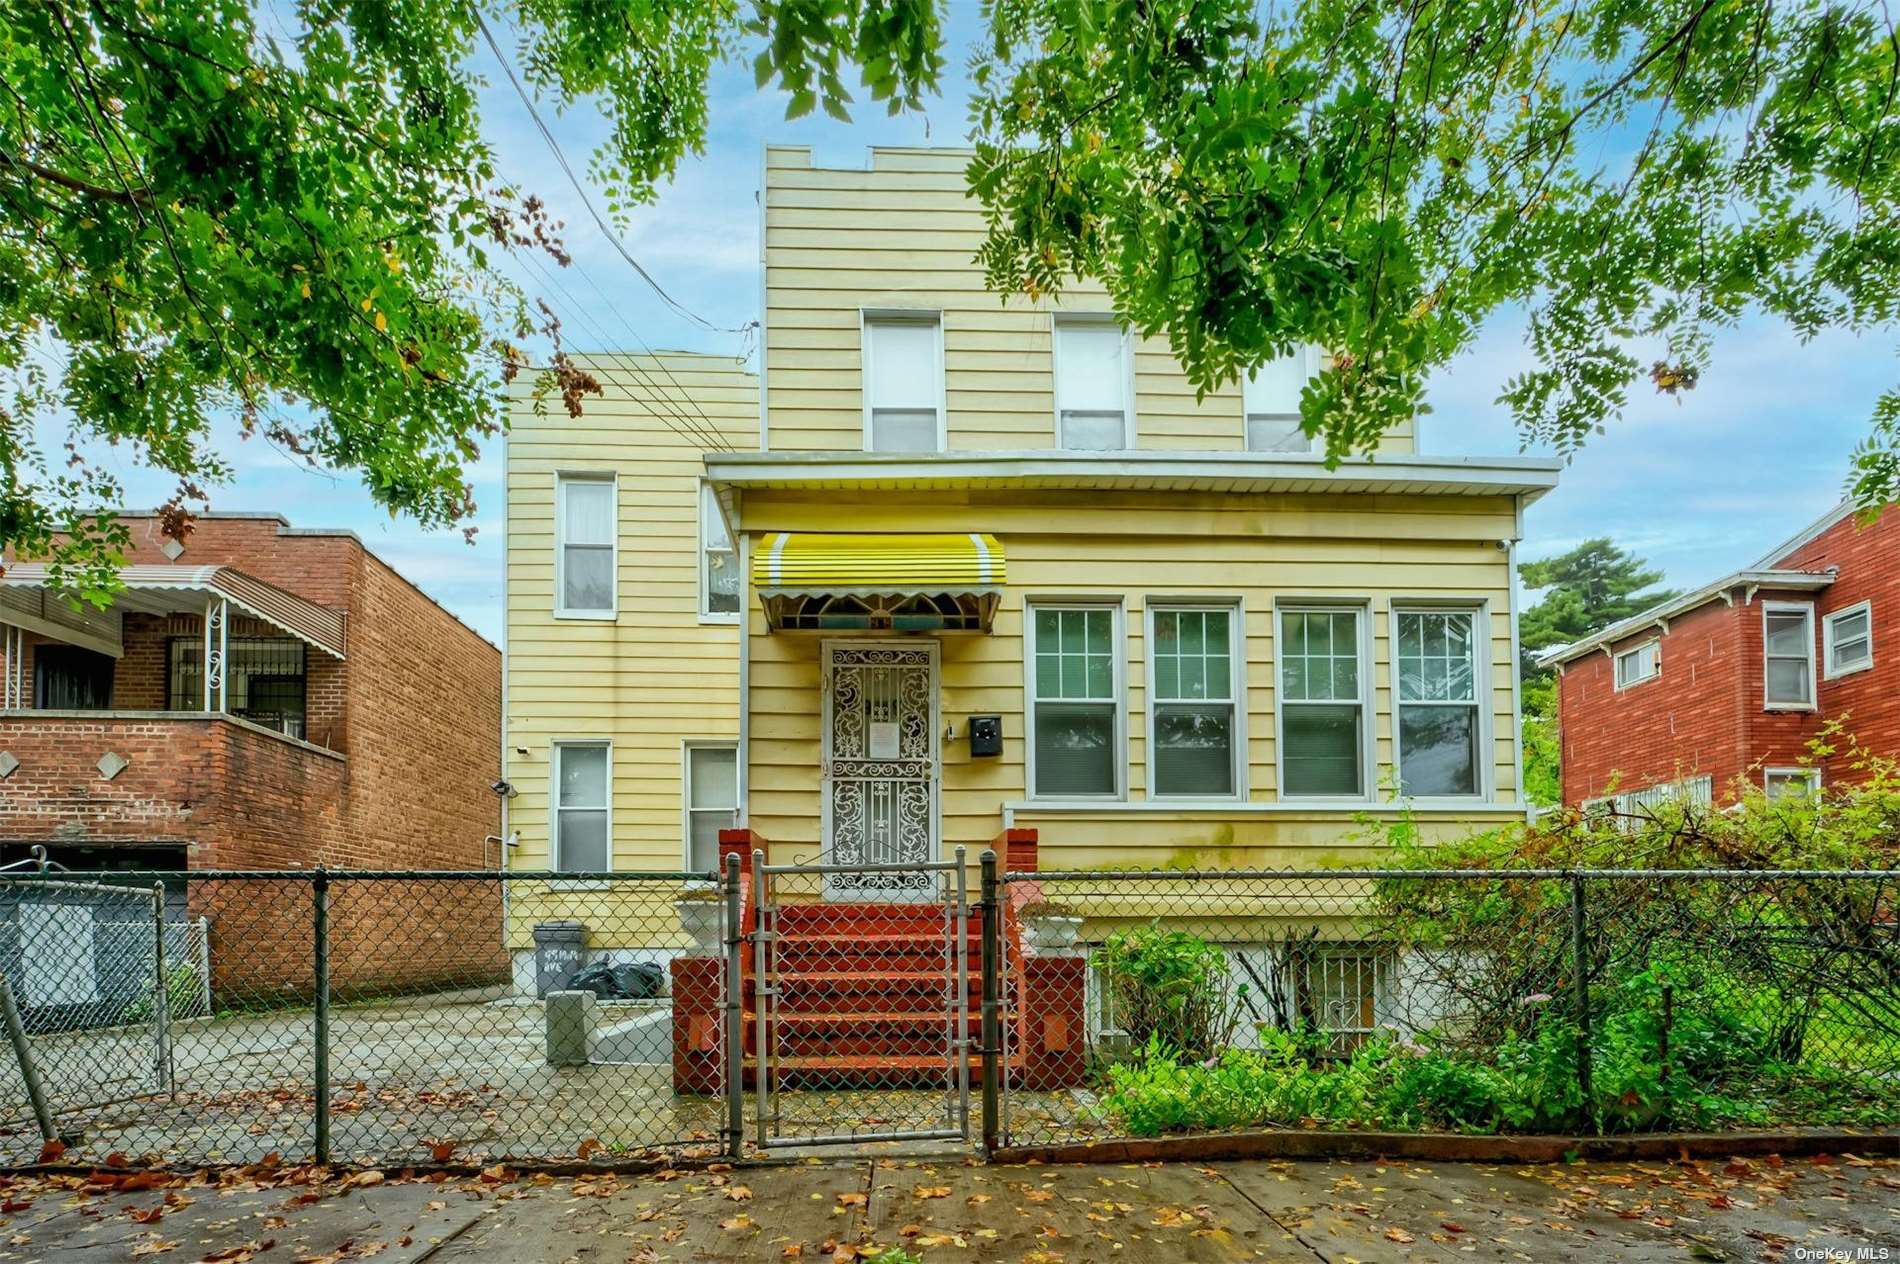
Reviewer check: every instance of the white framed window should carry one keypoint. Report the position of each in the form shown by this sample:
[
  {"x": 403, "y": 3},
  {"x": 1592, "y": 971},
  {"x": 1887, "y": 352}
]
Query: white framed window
[
  {"x": 583, "y": 807},
  {"x": 586, "y": 547},
  {"x": 719, "y": 584},
  {"x": 1076, "y": 745},
  {"x": 1094, "y": 384},
  {"x": 1440, "y": 726},
  {"x": 1634, "y": 666},
  {"x": 1324, "y": 738},
  {"x": 1791, "y": 783},
  {"x": 1847, "y": 638},
  {"x": 1271, "y": 399},
  {"x": 711, "y": 799},
  {"x": 1627, "y": 810},
  {"x": 1787, "y": 656},
  {"x": 1196, "y": 727},
  {"x": 903, "y": 382}
]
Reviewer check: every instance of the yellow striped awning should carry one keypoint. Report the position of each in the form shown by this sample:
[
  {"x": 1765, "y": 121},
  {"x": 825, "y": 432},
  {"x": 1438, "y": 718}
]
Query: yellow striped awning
[{"x": 822, "y": 562}]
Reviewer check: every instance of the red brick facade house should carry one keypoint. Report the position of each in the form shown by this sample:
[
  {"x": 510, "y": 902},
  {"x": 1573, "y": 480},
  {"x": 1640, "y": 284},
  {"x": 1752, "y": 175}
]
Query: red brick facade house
[
  {"x": 1729, "y": 683},
  {"x": 259, "y": 697}
]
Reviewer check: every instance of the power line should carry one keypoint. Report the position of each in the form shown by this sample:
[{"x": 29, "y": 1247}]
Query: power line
[
  {"x": 560, "y": 157},
  {"x": 660, "y": 405},
  {"x": 605, "y": 228}
]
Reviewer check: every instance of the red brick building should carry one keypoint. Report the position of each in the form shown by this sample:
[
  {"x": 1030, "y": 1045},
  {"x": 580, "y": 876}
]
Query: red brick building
[
  {"x": 258, "y": 697},
  {"x": 1729, "y": 683}
]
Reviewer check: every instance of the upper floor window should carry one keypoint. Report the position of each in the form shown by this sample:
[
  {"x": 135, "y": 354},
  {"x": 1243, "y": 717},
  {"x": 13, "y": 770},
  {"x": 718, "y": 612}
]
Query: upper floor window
[
  {"x": 903, "y": 383},
  {"x": 1635, "y": 666},
  {"x": 583, "y": 836},
  {"x": 1323, "y": 726},
  {"x": 1092, "y": 384},
  {"x": 718, "y": 561},
  {"x": 1787, "y": 655},
  {"x": 1849, "y": 638},
  {"x": 1440, "y": 718},
  {"x": 264, "y": 679},
  {"x": 1075, "y": 701},
  {"x": 712, "y": 800},
  {"x": 584, "y": 545},
  {"x": 1271, "y": 396},
  {"x": 1196, "y": 690}
]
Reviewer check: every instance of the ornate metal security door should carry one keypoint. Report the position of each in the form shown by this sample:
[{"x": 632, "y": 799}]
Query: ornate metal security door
[{"x": 880, "y": 767}]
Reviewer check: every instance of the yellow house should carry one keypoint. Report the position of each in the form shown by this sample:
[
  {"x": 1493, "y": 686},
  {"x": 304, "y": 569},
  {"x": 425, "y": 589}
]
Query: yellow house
[{"x": 952, "y": 564}]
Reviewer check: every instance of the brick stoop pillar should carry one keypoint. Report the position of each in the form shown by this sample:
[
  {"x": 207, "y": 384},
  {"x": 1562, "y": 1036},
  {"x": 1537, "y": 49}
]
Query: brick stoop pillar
[
  {"x": 1052, "y": 1031},
  {"x": 699, "y": 986}
]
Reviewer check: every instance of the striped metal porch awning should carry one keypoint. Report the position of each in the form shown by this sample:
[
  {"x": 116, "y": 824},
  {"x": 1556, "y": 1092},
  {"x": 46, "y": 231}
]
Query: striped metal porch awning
[{"x": 824, "y": 581}]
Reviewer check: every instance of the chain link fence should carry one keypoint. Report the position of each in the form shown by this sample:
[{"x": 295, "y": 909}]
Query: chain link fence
[
  {"x": 1148, "y": 1003},
  {"x": 374, "y": 1018}
]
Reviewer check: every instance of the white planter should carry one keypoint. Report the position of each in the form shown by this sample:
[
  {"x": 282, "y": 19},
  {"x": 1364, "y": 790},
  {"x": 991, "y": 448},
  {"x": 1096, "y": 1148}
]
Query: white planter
[
  {"x": 1051, "y": 933},
  {"x": 700, "y": 920}
]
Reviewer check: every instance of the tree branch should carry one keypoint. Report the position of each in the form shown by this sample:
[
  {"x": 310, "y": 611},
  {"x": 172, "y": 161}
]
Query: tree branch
[{"x": 72, "y": 183}]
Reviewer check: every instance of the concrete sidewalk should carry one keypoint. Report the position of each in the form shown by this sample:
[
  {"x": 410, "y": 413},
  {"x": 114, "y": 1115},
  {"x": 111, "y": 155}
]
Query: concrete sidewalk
[{"x": 952, "y": 1211}]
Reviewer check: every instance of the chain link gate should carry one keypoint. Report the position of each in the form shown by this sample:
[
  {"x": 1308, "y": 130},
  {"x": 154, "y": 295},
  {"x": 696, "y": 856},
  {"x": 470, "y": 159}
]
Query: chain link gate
[{"x": 862, "y": 1015}]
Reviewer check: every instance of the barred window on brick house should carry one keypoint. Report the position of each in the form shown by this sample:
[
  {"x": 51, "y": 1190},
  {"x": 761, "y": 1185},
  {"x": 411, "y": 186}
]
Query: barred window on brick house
[{"x": 265, "y": 680}]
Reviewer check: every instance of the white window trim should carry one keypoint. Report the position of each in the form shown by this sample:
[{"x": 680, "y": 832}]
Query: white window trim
[
  {"x": 1118, "y": 653},
  {"x": 1811, "y": 775},
  {"x": 1615, "y": 684},
  {"x": 1130, "y": 429},
  {"x": 554, "y": 804},
  {"x": 687, "y": 748},
  {"x": 1789, "y": 607},
  {"x": 868, "y": 316},
  {"x": 1237, "y": 669},
  {"x": 1482, "y": 689},
  {"x": 1368, "y": 740},
  {"x": 563, "y": 479},
  {"x": 1827, "y": 640},
  {"x": 705, "y": 580},
  {"x": 1311, "y": 354}
]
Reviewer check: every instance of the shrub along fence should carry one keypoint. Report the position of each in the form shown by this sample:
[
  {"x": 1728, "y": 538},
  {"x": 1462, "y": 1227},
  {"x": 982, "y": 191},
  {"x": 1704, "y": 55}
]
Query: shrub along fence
[{"x": 1535, "y": 1000}]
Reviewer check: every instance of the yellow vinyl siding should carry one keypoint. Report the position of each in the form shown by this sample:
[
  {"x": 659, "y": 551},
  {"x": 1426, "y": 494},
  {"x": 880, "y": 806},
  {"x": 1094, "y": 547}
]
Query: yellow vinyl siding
[
  {"x": 904, "y": 234},
  {"x": 655, "y": 676},
  {"x": 1136, "y": 547}
]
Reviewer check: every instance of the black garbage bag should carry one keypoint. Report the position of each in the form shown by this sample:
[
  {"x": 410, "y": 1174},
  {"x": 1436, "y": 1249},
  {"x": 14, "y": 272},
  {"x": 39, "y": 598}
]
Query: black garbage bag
[{"x": 637, "y": 982}]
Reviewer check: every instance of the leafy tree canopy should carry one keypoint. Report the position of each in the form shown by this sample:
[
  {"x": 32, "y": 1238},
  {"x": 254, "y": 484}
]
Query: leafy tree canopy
[
  {"x": 1585, "y": 590},
  {"x": 195, "y": 218}
]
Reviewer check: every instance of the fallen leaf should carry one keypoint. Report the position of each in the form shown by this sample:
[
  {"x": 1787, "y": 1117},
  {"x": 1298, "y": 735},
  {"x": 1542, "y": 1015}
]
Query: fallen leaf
[
  {"x": 589, "y": 1148},
  {"x": 153, "y": 1246},
  {"x": 794, "y": 1251},
  {"x": 150, "y": 1215},
  {"x": 853, "y": 1200},
  {"x": 1397, "y": 1234},
  {"x": 740, "y": 1194},
  {"x": 442, "y": 1151},
  {"x": 933, "y": 1191},
  {"x": 52, "y": 1151},
  {"x": 363, "y": 1179}
]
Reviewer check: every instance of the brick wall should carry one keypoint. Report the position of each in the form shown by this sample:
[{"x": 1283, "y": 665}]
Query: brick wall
[
  {"x": 1705, "y": 713},
  {"x": 1868, "y": 558}
]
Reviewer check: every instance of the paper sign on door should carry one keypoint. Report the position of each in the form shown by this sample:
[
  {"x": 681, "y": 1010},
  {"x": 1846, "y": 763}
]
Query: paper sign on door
[{"x": 883, "y": 739}]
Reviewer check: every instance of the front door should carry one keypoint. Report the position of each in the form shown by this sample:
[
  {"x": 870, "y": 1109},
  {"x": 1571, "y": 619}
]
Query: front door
[{"x": 880, "y": 767}]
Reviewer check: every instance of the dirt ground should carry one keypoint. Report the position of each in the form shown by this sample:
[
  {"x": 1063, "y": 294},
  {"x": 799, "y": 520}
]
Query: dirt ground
[{"x": 1835, "y": 1207}]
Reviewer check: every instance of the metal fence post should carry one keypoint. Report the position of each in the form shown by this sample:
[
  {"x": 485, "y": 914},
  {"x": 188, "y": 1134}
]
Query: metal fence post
[
  {"x": 992, "y": 954},
  {"x": 1580, "y": 966},
  {"x": 161, "y": 992},
  {"x": 320, "y": 969},
  {"x": 735, "y": 1013},
  {"x": 29, "y": 1069}
]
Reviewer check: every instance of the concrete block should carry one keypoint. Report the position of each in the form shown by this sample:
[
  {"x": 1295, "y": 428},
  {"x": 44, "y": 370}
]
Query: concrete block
[{"x": 570, "y": 1020}]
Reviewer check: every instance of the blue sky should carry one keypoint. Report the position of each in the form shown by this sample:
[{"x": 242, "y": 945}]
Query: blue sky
[{"x": 1700, "y": 485}]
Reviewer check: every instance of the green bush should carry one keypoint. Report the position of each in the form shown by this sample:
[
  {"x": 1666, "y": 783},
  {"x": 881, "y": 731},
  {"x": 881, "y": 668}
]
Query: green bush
[{"x": 1170, "y": 987}]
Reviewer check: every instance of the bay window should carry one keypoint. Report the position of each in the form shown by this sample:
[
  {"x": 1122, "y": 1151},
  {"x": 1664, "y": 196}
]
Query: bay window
[
  {"x": 1323, "y": 727},
  {"x": 1440, "y": 719},
  {"x": 1194, "y": 734},
  {"x": 1075, "y": 701}
]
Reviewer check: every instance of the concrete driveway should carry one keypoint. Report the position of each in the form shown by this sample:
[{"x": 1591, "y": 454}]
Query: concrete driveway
[{"x": 1756, "y": 1209}]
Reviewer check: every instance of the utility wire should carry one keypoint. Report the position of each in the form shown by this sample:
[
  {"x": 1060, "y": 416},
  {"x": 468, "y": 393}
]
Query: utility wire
[
  {"x": 659, "y": 403},
  {"x": 606, "y": 229},
  {"x": 560, "y": 157}
]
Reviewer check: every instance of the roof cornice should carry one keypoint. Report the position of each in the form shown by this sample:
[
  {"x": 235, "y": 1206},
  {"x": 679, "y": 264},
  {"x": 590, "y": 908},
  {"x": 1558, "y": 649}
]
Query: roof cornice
[{"x": 1658, "y": 615}]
